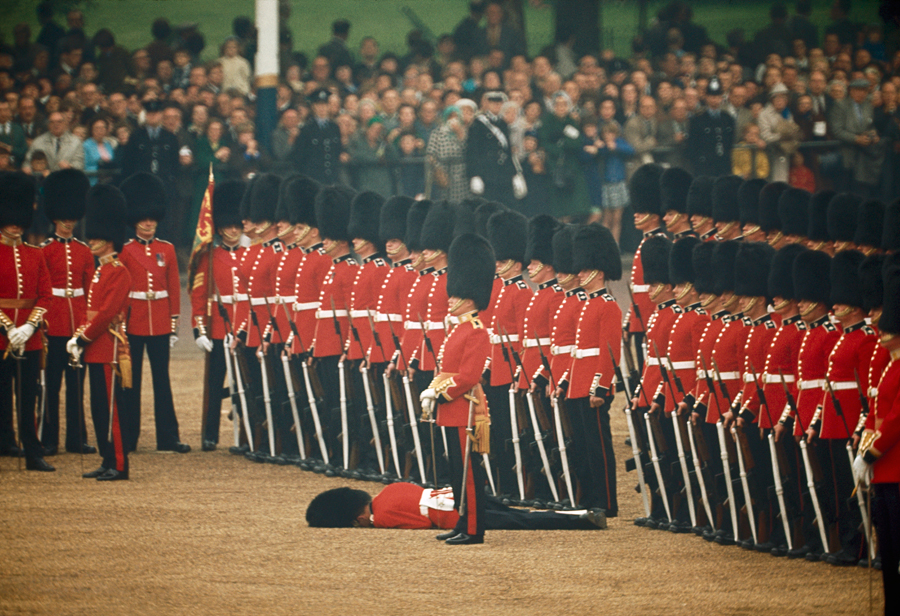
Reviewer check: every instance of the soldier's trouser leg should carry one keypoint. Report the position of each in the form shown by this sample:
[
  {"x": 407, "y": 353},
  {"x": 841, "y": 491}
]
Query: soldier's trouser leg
[
  {"x": 589, "y": 459},
  {"x": 605, "y": 458},
  {"x": 30, "y": 366},
  {"x": 422, "y": 380},
  {"x": 217, "y": 375},
  {"x": 472, "y": 523},
  {"x": 282, "y": 415},
  {"x": 330, "y": 412},
  {"x": 503, "y": 459},
  {"x": 131, "y": 409},
  {"x": 886, "y": 515},
  {"x": 57, "y": 363},
  {"x": 107, "y": 420},
  {"x": 845, "y": 510},
  {"x": 163, "y": 405}
]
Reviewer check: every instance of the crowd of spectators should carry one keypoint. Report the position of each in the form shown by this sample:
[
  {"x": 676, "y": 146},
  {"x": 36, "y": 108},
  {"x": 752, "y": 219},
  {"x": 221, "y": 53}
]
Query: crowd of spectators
[{"x": 815, "y": 109}]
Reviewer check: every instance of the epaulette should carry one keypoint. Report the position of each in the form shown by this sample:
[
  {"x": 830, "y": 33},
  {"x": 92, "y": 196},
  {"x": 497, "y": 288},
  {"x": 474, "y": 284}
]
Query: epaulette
[
  {"x": 82, "y": 242},
  {"x": 608, "y": 297},
  {"x": 801, "y": 325},
  {"x": 522, "y": 284},
  {"x": 770, "y": 324},
  {"x": 163, "y": 241},
  {"x": 321, "y": 251},
  {"x": 829, "y": 326}
]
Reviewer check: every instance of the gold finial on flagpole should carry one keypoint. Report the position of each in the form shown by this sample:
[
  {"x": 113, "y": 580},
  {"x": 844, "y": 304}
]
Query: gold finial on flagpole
[{"x": 211, "y": 178}]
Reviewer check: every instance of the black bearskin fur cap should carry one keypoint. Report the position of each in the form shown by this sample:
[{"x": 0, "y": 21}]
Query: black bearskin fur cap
[
  {"x": 539, "y": 244},
  {"x": 793, "y": 209},
  {"x": 769, "y": 196},
  {"x": 843, "y": 212},
  {"x": 145, "y": 197},
  {"x": 507, "y": 233},
  {"x": 392, "y": 222},
  {"x": 655, "y": 259},
  {"x": 226, "y": 205},
  {"x": 333, "y": 213},
  {"x": 751, "y": 269},
  {"x": 65, "y": 192},
  {"x": 781, "y": 273},
  {"x": 594, "y": 248},
  {"x": 812, "y": 276},
  {"x": 105, "y": 217},
  {"x": 701, "y": 261},
  {"x": 470, "y": 269},
  {"x": 723, "y": 260},
  {"x": 725, "y": 207},
  {"x": 681, "y": 263},
  {"x": 644, "y": 189},
  {"x": 674, "y": 186},
  {"x": 846, "y": 285}
]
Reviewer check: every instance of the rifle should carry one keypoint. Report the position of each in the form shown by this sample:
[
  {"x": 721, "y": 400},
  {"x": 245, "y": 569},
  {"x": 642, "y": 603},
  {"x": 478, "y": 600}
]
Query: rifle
[
  {"x": 741, "y": 444},
  {"x": 810, "y": 471},
  {"x": 723, "y": 447},
  {"x": 410, "y": 408},
  {"x": 267, "y": 397},
  {"x": 514, "y": 423},
  {"x": 558, "y": 421},
  {"x": 537, "y": 426},
  {"x": 679, "y": 443},
  {"x": 635, "y": 451},
  {"x": 342, "y": 380},
  {"x": 389, "y": 410},
  {"x": 434, "y": 359},
  {"x": 367, "y": 389},
  {"x": 235, "y": 382},
  {"x": 313, "y": 392}
]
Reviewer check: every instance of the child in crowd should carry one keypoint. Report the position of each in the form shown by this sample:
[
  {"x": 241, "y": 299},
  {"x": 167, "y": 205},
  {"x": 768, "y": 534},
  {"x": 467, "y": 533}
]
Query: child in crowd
[
  {"x": 534, "y": 168},
  {"x": 412, "y": 173},
  {"x": 589, "y": 165},
  {"x": 614, "y": 151}
]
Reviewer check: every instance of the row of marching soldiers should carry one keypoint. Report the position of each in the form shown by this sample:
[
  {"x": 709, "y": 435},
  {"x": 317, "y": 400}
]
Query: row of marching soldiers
[{"x": 771, "y": 381}]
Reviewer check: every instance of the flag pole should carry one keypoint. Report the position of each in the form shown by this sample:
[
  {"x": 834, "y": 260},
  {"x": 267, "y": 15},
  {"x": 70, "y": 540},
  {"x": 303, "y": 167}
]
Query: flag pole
[{"x": 210, "y": 291}]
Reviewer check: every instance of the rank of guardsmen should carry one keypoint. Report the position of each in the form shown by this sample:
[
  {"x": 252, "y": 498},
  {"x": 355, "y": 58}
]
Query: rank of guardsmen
[{"x": 462, "y": 344}]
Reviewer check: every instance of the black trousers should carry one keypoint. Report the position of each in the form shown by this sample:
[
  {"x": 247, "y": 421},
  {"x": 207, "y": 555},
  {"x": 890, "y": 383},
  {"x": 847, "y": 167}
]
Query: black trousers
[
  {"x": 105, "y": 389},
  {"x": 886, "y": 515},
  {"x": 57, "y": 363},
  {"x": 330, "y": 411},
  {"x": 216, "y": 378},
  {"x": 834, "y": 495},
  {"x": 163, "y": 406},
  {"x": 503, "y": 456},
  {"x": 498, "y": 516},
  {"x": 439, "y": 456},
  {"x": 472, "y": 522},
  {"x": 595, "y": 460},
  {"x": 28, "y": 366}
]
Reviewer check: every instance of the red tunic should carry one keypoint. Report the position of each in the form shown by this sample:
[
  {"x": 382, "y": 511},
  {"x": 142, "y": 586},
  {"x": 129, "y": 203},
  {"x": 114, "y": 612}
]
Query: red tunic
[
  {"x": 285, "y": 283},
  {"x": 405, "y": 505},
  {"x": 880, "y": 360},
  {"x": 658, "y": 329},
  {"x": 227, "y": 283},
  {"x": 849, "y": 357},
  {"x": 370, "y": 277},
  {"x": 312, "y": 270},
  {"x": 107, "y": 305},
  {"x": 388, "y": 314},
  {"x": 640, "y": 291},
  {"x": 24, "y": 288},
  {"x": 413, "y": 316},
  {"x": 728, "y": 354},
  {"x": 885, "y": 419},
  {"x": 260, "y": 270},
  {"x": 812, "y": 364},
  {"x": 756, "y": 350},
  {"x": 564, "y": 333},
  {"x": 704, "y": 356},
  {"x": 334, "y": 298},
  {"x": 536, "y": 329},
  {"x": 509, "y": 313},
  {"x": 781, "y": 360},
  {"x": 434, "y": 320},
  {"x": 155, "y": 287},
  {"x": 463, "y": 354},
  {"x": 71, "y": 267},
  {"x": 684, "y": 344},
  {"x": 598, "y": 330}
]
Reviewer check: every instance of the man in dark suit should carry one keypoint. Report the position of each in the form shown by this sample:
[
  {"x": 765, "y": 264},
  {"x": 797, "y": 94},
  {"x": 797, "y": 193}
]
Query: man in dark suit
[
  {"x": 336, "y": 49},
  {"x": 33, "y": 124},
  {"x": 12, "y": 134},
  {"x": 317, "y": 151},
  {"x": 489, "y": 162},
  {"x": 711, "y": 135}
]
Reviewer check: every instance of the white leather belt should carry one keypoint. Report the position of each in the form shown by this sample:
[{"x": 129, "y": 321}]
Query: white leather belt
[
  {"x": 530, "y": 343},
  {"x": 701, "y": 374},
  {"x": 259, "y": 301},
  {"x": 298, "y": 307},
  {"x": 287, "y": 299},
  {"x": 412, "y": 325},
  {"x": 843, "y": 385},
  {"x": 729, "y": 376},
  {"x": 495, "y": 339},
  {"x": 328, "y": 314},
  {"x": 148, "y": 295},
  {"x": 381, "y": 317},
  {"x": 434, "y": 325},
  {"x": 777, "y": 378},
  {"x": 68, "y": 292},
  {"x": 562, "y": 350},
  {"x": 226, "y": 299},
  {"x": 640, "y": 288},
  {"x": 581, "y": 353},
  {"x": 360, "y": 314},
  {"x": 652, "y": 361},
  {"x": 748, "y": 377},
  {"x": 815, "y": 384},
  {"x": 683, "y": 365}
]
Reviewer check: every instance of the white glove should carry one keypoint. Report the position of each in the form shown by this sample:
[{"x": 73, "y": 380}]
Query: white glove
[
  {"x": 862, "y": 471},
  {"x": 203, "y": 343},
  {"x": 73, "y": 349},
  {"x": 571, "y": 132},
  {"x": 20, "y": 335},
  {"x": 172, "y": 340},
  {"x": 520, "y": 188},
  {"x": 476, "y": 185},
  {"x": 427, "y": 399}
]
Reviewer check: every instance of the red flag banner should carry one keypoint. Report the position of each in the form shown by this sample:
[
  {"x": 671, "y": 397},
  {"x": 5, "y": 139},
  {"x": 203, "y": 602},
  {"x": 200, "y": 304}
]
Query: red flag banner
[{"x": 203, "y": 236}]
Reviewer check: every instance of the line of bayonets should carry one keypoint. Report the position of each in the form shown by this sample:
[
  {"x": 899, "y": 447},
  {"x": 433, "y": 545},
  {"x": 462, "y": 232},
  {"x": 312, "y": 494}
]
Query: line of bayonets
[{"x": 700, "y": 453}]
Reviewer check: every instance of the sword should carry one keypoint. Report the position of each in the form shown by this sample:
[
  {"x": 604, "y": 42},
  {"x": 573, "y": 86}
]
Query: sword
[
  {"x": 76, "y": 365},
  {"x": 468, "y": 450},
  {"x": 388, "y": 403},
  {"x": 514, "y": 423},
  {"x": 410, "y": 407},
  {"x": 723, "y": 448}
]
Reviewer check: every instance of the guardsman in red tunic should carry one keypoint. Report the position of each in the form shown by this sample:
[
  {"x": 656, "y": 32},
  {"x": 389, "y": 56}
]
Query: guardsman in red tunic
[
  {"x": 155, "y": 307},
  {"x": 725, "y": 207},
  {"x": 100, "y": 337},
  {"x": 748, "y": 204},
  {"x": 817, "y": 237},
  {"x": 699, "y": 208},
  {"x": 314, "y": 266},
  {"x": 674, "y": 185},
  {"x": 456, "y": 390},
  {"x": 871, "y": 281},
  {"x": 877, "y": 464},
  {"x": 769, "y": 220},
  {"x": 591, "y": 377},
  {"x": 846, "y": 379},
  {"x": 417, "y": 302},
  {"x": 647, "y": 204},
  {"x": 332, "y": 207},
  {"x": 24, "y": 298},
  {"x": 842, "y": 217},
  {"x": 507, "y": 232},
  {"x": 71, "y": 267},
  {"x": 210, "y": 331},
  {"x": 483, "y": 214}
]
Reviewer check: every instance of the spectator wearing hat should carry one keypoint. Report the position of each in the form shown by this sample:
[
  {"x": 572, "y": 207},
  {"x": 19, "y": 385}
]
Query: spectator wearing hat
[
  {"x": 711, "y": 135},
  {"x": 778, "y": 129},
  {"x": 489, "y": 162},
  {"x": 561, "y": 139},
  {"x": 852, "y": 122},
  {"x": 317, "y": 151},
  {"x": 371, "y": 155}
]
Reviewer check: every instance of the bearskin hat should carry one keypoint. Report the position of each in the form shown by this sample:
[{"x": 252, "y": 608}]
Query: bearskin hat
[
  {"x": 723, "y": 260},
  {"x": 594, "y": 248},
  {"x": 725, "y": 207},
  {"x": 781, "y": 272},
  {"x": 869, "y": 224},
  {"x": 415, "y": 220},
  {"x": 245, "y": 200},
  {"x": 674, "y": 186},
  {"x": 890, "y": 315},
  {"x": 870, "y": 281},
  {"x": 843, "y": 212},
  {"x": 299, "y": 195},
  {"x": 145, "y": 197},
  {"x": 227, "y": 196},
  {"x": 64, "y": 194},
  {"x": 890, "y": 239},
  {"x": 507, "y": 233},
  {"x": 846, "y": 285},
  {"x": 701, "y": 263},
  {"x": 437, "y": 231},
  {"x": 16, "y": 199},
  {"x": 333, "y": 213},
  {"x": 282, "y": 208},
  {"x": 751, "y": 269},
  {"x": 336, "y": 508},
  {"x": 483, "y": 214},
  {"x": 365, "y": 213},
  {"x": 470, "y": 269},
  {"x": 644, "y": 189},
  {"x": 464, "y": 219},
  {"x": 748, "y": 201},
  {"x": 562, "y": 249},
  {"x": 681, "y": 264},
  {"x": 655, "y": 259},
  {"x": 818, "y": 216},
  {"x": 264, "y": 198},
  {"x": 769, "y": 196},
  {"x": 793, "y": 209},
  {"x": 539, "y": 244},
  {"x": 105, "y": 215},
  {"x": 812, "y": 276},
  {"x": 472, "y": 203},
  {"x": 699, "y": 197},
  {"x": 392, "y": 220}
]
